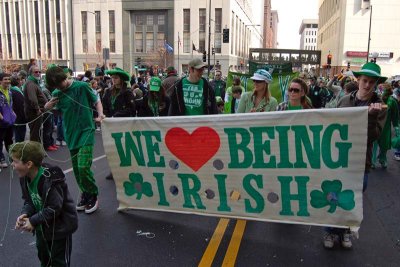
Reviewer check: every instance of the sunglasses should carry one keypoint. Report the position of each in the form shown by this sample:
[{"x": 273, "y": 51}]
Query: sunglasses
[
  {"x": 257, "y": 81},
  {"x": 37, "y": 71},
  {"x": 295, "y": 90}
]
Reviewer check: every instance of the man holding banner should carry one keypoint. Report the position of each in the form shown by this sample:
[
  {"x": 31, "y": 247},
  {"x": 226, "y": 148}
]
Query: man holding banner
[
  {"x": 368, "y": 77},
  {"x": 193, "y": 95}
]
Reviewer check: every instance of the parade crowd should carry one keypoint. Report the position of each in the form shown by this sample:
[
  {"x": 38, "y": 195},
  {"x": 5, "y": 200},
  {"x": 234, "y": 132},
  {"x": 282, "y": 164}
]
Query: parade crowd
[{"x": 62, "y": 110}]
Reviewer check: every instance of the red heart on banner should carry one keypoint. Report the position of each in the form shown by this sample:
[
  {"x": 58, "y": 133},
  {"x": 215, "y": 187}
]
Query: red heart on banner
[{"x": 193, "y": 149}]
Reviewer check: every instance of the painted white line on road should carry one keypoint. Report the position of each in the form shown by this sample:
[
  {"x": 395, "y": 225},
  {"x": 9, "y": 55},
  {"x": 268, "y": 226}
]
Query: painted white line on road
[{"x": 94, "y": 160}]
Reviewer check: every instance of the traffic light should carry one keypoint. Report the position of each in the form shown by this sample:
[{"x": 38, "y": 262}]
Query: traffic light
[
  {"x": 225, "y": 35},
  {"x": 329, "y": 59},
  {"x": 348, "y": 65},
  {"x": 204, "y": 56},
  {"x": 213, "y": 51}
]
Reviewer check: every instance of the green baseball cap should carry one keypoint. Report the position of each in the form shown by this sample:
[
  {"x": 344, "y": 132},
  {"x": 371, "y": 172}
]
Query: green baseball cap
[{"x": 155, "y": 84}]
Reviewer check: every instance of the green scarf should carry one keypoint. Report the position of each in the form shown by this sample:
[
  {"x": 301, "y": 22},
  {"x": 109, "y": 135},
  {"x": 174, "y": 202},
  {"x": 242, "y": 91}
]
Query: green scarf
[
  {"x": 34, "y": 79},
  {"x": 17, "y": 89}
]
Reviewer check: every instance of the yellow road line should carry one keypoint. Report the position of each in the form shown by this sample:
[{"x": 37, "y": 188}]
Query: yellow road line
[
  {"x": 215, "y": 240},
  {"x": 234, "y": 244}
]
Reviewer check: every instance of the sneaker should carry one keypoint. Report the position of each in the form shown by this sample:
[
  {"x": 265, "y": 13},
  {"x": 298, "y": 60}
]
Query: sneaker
[
  {"x": 56, "y": 146},
  {"x": 3, "y": 164},
  {"x": 98, "y": 129},
  {"x": 58, "y": 143},
  {"x": 346, "y": 240},
  {"x": 92, "y": 205},
  {"x": 110, "y": 177},
  {"x": 383, "y": 164},
  {"x": 63, "y": 143},
  {"x": 373, "y": 166},
  {"x": 397, "y": 157},
  {"x": 329, "y": 240},
  {"x": 82, "y": 203}
]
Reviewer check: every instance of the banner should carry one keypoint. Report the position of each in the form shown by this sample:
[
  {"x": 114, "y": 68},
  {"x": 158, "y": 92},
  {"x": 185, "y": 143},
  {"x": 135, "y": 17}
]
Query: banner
[
  {"x": 278, "y": 87},
  {"x": 301, "y": 167}
]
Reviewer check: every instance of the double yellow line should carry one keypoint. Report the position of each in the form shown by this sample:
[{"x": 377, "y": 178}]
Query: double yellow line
[{"x": 234, "y": 244}]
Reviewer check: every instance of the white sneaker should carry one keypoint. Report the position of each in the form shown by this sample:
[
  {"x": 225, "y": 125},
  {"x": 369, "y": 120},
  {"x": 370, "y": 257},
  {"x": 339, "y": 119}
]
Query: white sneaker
[
  {"x": 58, "y": 143},
  {"x": 346, "y": 240},
  {"x": 3, "y": 164},
  {"x": 397, "y": 157},
  {"x": 63, "y": 143},
  {"x": 98, "y": 129},
  {"x": 329, "y": 240}
]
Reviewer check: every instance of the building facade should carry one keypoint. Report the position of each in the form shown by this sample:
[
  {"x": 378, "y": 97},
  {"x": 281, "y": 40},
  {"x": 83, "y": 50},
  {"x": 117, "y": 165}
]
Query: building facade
[
  {"x": 274, "y": 27},
  {"x": 163, "y": 33},
  {"x": 308, "y": 34},
  {"x": 267, "y": 25},
  {"x": 37, "y": 29},
  {"x": 344, "y": 29}
]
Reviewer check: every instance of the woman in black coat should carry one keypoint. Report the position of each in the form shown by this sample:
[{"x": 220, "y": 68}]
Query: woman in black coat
[{"x": 156, "y": 102}]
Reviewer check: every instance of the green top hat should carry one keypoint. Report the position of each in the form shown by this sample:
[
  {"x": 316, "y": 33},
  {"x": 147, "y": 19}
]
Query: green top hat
[
  {"x": 371, "y": 69},
  {"x": 120, "y": 72}
]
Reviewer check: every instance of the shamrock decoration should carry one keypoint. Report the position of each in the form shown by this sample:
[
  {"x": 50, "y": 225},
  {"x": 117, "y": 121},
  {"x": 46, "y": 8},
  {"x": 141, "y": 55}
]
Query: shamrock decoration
[
  {"x": 137, "y": 186},
  {"x": 333, "y": 196}
]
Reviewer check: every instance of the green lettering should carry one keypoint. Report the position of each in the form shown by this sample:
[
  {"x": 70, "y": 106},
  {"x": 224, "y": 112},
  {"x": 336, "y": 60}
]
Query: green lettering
[
  {"x": 284, "y": 147},
  {"x": 301, "y": 140},
  {"x": 153, "y": 148},
  {"x": 130, "y": 146},
  {"x": 343, "y": 147},
  {"x": 235, "y": 147},
  {"x": 223, "y": 203},
  {"x": 260, "y": 147},
  {"x": 161, "y": 191},
  {"x": 258, "y": 198},
  {"x": 287, "y": 197},
  {"x": 191, "y": 192}
]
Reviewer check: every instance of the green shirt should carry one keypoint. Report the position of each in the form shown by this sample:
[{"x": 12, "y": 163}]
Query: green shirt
[
  {"x": 246, "y": 104},
  {"x": 193, "y": 97},
  {"x": 290, "y": 107},
  {"x": 218, "y": 86},
  {"x": 76, "y": 107},
  {"x": 33, "y": 191}
]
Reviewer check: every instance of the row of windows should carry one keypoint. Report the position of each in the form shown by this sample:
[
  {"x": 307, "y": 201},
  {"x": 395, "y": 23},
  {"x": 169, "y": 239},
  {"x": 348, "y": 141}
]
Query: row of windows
[
  {"x": 188, "y": 46},
  {"x": 310, "y": 32},
  {"x": 16, "y": 10},
  {"x": 150, "y": 31},
  {"x": 310, "y": 40},
  {"x": 327, "y": 10},
  {"x": 111, "y": 27},
  {"x": 309, "y": 47}
]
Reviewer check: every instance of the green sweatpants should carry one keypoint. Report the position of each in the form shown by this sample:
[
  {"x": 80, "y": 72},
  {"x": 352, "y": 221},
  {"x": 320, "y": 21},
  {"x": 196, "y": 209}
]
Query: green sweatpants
[
  {"x": 81, "y": 163},
  {"x": 54, "y": 253}
]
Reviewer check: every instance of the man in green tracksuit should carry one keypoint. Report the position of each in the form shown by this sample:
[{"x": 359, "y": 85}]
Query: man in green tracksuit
[{"x": 75, "y": 100}]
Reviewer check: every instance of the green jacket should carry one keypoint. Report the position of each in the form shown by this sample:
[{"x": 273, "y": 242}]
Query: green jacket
[{"x": 385, "y": 140}]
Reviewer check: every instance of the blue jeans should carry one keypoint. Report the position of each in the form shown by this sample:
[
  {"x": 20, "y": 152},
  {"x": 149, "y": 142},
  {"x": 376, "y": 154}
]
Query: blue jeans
[{"x": 60, "y": 129}]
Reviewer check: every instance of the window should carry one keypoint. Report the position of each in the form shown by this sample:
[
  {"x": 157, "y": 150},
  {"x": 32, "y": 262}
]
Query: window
[
  {"x": 186, "y": 31},
  {"x": 111, "y": 23},
  {"x": 98, "y": 31},
  {"x": 111, "y": 20},
  {"x": 160, "y": 39},
  {"x": 19, "y": 40},
  {"x": 37, "y": 31},
  {"x": 58, "y": 30},
  {"x": 84, "y": 32},
  {"x": 48, "y": 34},
  {"x": 139, "y": 41},
  {"x": 1, "y": 48},
  {"x": 232, "y": 25},
  {"x": 218, "y": 30},
  {"x": 8, "y": 31},
  {"x": 149, "y": 42},
  {"x": 202, "y": 29},
  {"x": 98, "y": 21}
]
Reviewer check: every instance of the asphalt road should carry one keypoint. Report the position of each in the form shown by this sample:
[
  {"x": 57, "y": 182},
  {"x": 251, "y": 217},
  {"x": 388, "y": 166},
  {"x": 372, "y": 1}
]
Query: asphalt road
[{"x": 143, "y": 238}]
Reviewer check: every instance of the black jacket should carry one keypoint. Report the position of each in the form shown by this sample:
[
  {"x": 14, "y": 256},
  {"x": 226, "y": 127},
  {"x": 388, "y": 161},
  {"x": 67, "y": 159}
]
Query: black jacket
[
  {"x": 177, "y": 107},
  {"x": 18, "y": 106},
  {"x": 145, "y": 111},
  {"x": 58, "y": 217},
  {"x": 124, "y": 105}
]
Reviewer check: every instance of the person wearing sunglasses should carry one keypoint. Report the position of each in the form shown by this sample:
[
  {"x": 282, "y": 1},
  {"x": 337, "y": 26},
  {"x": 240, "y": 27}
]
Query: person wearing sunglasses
[
  {"x": 260, "y": 100},
  {"x": 297, "y": 96}
]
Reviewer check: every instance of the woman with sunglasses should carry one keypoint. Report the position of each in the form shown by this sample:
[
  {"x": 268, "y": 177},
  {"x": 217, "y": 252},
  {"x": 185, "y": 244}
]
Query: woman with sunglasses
[
  {"x": 260, "y": 100},
  {"x": 297, "y": 96}
]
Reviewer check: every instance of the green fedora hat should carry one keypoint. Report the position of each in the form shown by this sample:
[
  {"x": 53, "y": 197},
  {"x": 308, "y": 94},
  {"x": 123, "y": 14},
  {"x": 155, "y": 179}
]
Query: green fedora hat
[
  {"x": 371, "y": 69},
  {"x": 120, "y": 72}
]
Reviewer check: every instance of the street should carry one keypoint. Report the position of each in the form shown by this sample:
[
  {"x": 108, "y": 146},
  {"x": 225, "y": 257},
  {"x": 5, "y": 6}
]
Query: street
[{"x": 143, "y": 238}]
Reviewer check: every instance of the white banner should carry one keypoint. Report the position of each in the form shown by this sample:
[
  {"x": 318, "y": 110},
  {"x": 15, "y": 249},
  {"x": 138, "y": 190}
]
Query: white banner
[{"x": 302, "y": 167}]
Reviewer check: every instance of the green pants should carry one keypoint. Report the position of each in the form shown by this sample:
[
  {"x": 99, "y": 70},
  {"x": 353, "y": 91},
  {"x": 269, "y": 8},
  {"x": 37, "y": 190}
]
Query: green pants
[
  {"x": 81, "y": 163},
  {"x": 381, "y": 155},
  {"x": 54, "y": 253}
]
